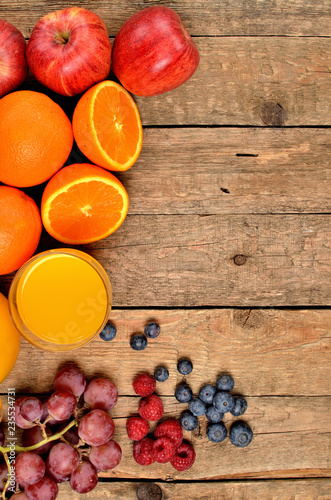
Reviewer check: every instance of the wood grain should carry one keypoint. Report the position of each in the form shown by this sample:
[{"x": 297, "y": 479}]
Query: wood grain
[
  {"x": 209, "y": 17},
  {"x": 291, "y": 439},
  {"x": 230, "y": 171},
  {"x": 275, "y": 81},
  {"x": 311, "y": 489},
  {"x": 269, "y": 352},
  {"x": 250, "y": 81},
  {"x": 232, "y": 261},
  {"x": 227, "y": 171}
]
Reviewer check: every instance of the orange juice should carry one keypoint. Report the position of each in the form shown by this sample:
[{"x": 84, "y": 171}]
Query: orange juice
[
  {"x": 9, "y": 340},
  {"x": 60, "y": 299}
]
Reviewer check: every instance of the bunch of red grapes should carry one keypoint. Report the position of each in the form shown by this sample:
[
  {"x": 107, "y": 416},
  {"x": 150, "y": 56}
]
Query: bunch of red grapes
[{"x": 76, "y": 431}]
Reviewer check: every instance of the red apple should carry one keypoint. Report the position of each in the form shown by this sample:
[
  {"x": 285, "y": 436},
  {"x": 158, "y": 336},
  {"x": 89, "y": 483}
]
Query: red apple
[
  {"x": 153, "y": 52},
  {"x": 13, "y": 65},
  {"x": 69, "y": 50}
]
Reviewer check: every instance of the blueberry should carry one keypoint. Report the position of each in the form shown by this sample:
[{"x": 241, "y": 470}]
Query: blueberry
[
  {"x": 223, "y": 401},
  {"x": 184, "y": 366},
  {"x": 240, "y": 406},
  {"x": 197, "y": 407},
  {"x": 213, "y": 415},
  {"x": 216, "y": 432},
  {"x": 161, "y": 374},
  {"x": 108, "y": 333},
  {"x": 207, "y": 393},
  {"x": 240, "y": 434},
  {"x": 188, "y": 421},
  {"x": 152, "y": 330},
  {"x": 138, "y": 342},
  {"x": 183, "y": 393},
  {"x": 225, "y": 383}
]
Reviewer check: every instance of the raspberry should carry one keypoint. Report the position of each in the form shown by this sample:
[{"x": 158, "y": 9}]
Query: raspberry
[
  {"x": 171, "y": 429},
  {"x": 151, "y": 408},
  {"x": 164, "y": 450},
  {"x": 184, "y": 458},
  {"x": 144, "y": 385},
  {"x": 143, "y": 452},
  {"x": 137, "y": 428}
]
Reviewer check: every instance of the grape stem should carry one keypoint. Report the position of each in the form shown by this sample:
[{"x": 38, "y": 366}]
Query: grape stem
[
  {"x": 43, "y": 426},
  {"x": 5, "y": 450},
  {"x": 3, "y": 495}
]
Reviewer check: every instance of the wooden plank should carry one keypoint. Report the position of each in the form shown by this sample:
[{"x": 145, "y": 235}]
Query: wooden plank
[
  {"x": 209, "y": 17},
  {"x": 275, "y": 81},
  {"x": 196, "y": 261},
  {"x": 250, "y": 81},
  {"x": 230, "y": 171},
  {"x": 309, "y": 489},
  {"x": 279, "y": 450},
  {"x": 269, "y": 352},
  {"x": 232, "y": 261},
  {"x": 227, "y": 171}
]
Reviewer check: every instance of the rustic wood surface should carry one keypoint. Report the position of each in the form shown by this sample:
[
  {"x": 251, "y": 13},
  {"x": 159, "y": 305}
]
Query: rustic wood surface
[
  {"x": 250, "y": 81},
  {"x": 272, "y": 355},
  {"x": 246, "y": 490},
  {"x": 215, "y": 260},
  {"x": 226, "y": 245},
  {"x": 283, "y": 345},
  {"x": 201, "y": 17}
]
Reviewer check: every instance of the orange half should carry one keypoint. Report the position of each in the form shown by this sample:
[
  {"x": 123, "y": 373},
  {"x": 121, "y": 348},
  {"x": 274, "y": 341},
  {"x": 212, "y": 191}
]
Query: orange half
[
  {"x": 83, "y": 203},
  {"x": 107, "y": 126}
]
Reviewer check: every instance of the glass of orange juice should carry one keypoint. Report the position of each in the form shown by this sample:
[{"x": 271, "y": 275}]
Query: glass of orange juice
[{"x": 60, "y": 299}]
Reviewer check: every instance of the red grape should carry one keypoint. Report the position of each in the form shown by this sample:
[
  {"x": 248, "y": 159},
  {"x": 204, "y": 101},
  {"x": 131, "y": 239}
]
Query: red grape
[
  {"x": 106, "y": 456},
  {"x": 45, "y": 489},
  {"x": 2, "y": 437},
  {"x": 34, "y": 436},
  {"x": 72, "y": 435},
  {"x": 63, "y": 459},
  {"x": 61, "y": 404},
  {"x": 45, "y": 415},
  {"x": 96, "y": 428},
  {"x": 31, "y": 409},
  {"x": 19, "y": 420},
  {"x": 84, "y": 478},
  {"x": 101, "y": 393},
  {"x": 58, "y": 478},
  {"x": 29, "y": 468},
  {"x": 3, "y": 475},
  {"x": 72, "y": 379}
]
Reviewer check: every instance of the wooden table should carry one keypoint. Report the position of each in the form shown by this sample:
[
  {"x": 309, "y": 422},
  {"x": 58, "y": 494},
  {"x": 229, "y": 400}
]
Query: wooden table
[{"x": 226, "y": 245}]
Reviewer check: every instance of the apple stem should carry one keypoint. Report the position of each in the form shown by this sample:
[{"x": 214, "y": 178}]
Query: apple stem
[{"x": 62, "y": 37}]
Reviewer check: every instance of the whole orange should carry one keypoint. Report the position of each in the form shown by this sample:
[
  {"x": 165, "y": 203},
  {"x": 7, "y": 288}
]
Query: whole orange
[
  {"x": 20, "y": 228},
  {"x": 35, "y": 138}
]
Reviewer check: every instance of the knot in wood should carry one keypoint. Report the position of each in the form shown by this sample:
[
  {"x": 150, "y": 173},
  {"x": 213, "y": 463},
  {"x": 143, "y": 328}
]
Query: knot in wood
[
  {"x": 239, "y": 259},
  {"x": 273, "y": 113},
  {"x": 249, "y": 319},
  {"x": 149, "y": 491}
]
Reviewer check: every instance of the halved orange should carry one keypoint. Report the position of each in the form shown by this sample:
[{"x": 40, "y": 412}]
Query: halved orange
[
  {"x": 107, "y": 126},
  {"x": 83, "y": 203}
]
